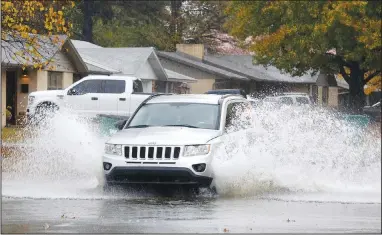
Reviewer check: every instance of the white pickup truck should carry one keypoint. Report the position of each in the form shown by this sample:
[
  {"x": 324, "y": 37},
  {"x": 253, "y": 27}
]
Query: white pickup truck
[{"x": 91, "y": 96}]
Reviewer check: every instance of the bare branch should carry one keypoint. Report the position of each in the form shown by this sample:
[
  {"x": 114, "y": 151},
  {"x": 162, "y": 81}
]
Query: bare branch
[
  {"x": 344, "y": 74},
  {"x": 371, "y": 76}
]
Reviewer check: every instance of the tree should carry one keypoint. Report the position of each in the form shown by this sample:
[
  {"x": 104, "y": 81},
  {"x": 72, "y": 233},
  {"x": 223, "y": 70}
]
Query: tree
[
  {"x": 135, "y": 24},
  {"x": 176, "y": 22},
  {"x": 301, "y": 36},
  {"x": 202, "y": 21},
  {"x": 161, "y": 24},
  {"x": 86, "y": 13},
  {"x": 373, "y": 85},
  {"x": 121, "y": 23},
  {"x": 29, "y": 27}
]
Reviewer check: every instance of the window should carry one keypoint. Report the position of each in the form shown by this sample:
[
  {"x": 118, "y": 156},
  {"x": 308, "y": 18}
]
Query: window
[
  {"x": 325, "y": 95},
  {"x": 55, "y": 80},
  {"x": 286, "y": 100},
  {"x": 204, "y": 116},
  {"x": 137, "y": 86},
  {"x": 87, "y": 86},
  {"x": 314, "y": 93},
  {"x": 302, "y": 100},
  {"x": 114, "y": 86},
  {"x": 239, "y": 116}
]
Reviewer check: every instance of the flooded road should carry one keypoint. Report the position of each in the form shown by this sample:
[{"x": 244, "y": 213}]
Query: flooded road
[
  {"x": 184, "y": 215},
  {"x": 294, "y": 172}
]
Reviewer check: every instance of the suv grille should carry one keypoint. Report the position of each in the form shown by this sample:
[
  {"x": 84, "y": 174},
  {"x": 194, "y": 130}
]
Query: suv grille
[{"x": 152, "y": 152}]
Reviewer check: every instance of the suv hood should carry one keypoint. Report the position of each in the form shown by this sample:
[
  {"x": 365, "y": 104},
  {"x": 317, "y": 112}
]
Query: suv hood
[
  {"x": 163, "y": 136},
  {"x": 49, "y": 93}
]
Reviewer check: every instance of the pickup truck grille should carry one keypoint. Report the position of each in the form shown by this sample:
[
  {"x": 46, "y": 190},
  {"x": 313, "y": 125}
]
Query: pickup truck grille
[{"x": 152, "y": 152}]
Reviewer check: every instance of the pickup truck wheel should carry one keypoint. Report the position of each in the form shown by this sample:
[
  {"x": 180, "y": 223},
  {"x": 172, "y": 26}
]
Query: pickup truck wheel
[{"x": 46, "y": 110}]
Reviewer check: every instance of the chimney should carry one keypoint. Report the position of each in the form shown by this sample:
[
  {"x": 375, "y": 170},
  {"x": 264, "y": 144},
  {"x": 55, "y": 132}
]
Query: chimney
[{"x": 196, "y": 50}]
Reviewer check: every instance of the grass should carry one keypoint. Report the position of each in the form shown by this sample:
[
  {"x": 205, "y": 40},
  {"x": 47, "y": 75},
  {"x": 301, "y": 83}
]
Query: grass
[{"x": 13, "y": 134}]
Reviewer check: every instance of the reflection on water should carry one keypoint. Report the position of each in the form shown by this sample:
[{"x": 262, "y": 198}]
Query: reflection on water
[{"x": 202, "y": 215}]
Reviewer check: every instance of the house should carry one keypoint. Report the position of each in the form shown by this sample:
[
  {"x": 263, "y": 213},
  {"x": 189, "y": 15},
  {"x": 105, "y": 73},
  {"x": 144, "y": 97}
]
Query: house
[
  {"x": 188, "y": 70},
  {"x": 17, "y": 83},
  {"x": 238, "y": 71},
  {"x": 188, "y": 60},
  {"x": 73, "y": 60},
  {"x": 140, "y": 62}
]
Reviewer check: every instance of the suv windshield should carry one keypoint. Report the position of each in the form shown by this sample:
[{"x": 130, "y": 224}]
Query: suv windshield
[{"x": 192, "y": 115}]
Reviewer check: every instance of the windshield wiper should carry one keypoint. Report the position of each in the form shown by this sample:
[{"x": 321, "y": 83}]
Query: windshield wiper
[
  {"x": 184, "y": 125},
  {"x": 138, "y": 126},
  {"x": 144, "y": 126}
]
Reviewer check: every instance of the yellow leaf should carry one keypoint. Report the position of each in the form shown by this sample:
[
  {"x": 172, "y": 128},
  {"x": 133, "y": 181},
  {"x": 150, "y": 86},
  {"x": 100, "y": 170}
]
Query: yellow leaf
[
  {"x": 24, "y": 35},
  {"x": 60, "y": 13},
  {"x": 42, "y": 8}
]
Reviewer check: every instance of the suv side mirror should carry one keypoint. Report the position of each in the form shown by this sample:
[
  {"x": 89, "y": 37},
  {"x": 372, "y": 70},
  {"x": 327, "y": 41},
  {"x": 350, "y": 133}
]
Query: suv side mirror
[
  {"x": 120, "y": 124},
  {"x": 72, "y": 91}
]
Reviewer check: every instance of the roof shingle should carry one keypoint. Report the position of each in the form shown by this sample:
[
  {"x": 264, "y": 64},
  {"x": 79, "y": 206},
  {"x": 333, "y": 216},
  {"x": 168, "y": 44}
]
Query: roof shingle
[
  {"x": 115, "y": 60},
  {"x": 46, "y": 46},
  {"x": 199, "y": 64},
  {"x": 243, "y": 65}
]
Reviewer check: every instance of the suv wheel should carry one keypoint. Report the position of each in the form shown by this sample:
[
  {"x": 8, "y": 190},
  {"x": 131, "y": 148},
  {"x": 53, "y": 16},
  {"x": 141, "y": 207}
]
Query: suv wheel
[
  {"x": 192, "y": 189},
  {"x": 109, "y": 188}
]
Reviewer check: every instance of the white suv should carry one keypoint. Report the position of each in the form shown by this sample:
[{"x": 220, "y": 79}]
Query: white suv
[
  {"x": 172, "y": 139},
  {"x": 291, "y": 98}
]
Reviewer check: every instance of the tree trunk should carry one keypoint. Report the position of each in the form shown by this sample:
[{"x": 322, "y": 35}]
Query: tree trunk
[
  {"x": 87, "y": 28},
  {"x": 175, "y": 29},
  {"x": 357, "y": 94}
]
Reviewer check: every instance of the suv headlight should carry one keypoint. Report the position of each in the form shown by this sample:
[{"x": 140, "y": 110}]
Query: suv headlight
[
  {"x": 194, "y": 150},
  {"x": 31, "y": 99},
  {"x": 113, "y": 149}
]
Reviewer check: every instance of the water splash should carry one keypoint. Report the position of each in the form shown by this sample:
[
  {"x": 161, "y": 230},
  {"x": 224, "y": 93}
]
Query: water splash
[
  {"x": 64, "y": 158},
  {"x": 288, "y": 150},
  {"x": 297, "y": 149}
]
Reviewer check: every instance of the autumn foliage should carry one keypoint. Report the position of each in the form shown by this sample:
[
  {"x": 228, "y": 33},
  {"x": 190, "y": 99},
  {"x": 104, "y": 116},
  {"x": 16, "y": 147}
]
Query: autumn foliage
[
  {"x": 340, "y": 37},
  {"x": 29, "y": 28}
]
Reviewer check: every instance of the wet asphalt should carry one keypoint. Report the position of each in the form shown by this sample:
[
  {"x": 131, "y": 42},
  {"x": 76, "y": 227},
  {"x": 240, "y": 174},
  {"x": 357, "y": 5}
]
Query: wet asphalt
[{"x": 153, "y": 214}]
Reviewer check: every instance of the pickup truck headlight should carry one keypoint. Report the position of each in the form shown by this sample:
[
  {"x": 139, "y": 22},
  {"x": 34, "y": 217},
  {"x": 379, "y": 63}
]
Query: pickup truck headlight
[
  {"x": 31, "y": 99},
  {"x": 194, "y": 150},
  {"x": 113, "y": 149}
]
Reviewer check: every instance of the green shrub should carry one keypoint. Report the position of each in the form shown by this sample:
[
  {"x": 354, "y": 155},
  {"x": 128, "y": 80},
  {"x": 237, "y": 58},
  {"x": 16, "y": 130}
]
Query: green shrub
[{"x": 8, "y": 115}]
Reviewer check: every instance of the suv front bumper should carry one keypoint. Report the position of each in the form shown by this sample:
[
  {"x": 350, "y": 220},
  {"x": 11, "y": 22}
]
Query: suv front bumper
[
  {"x": 140, "y": 171},
  {"x": 156, "y": 175}
]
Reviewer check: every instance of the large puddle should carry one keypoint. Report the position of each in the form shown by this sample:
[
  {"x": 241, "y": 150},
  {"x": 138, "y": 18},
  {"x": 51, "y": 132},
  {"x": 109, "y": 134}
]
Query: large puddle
[{"x": 289, "y": 154}]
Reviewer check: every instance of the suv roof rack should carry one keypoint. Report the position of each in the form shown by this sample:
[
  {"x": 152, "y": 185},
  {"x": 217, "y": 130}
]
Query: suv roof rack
[{"x": 153, "y": 96}]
